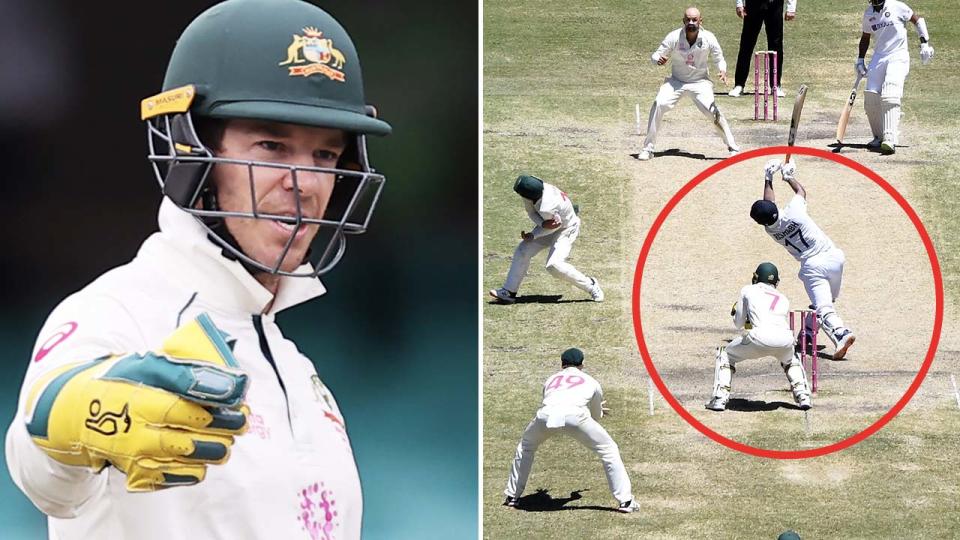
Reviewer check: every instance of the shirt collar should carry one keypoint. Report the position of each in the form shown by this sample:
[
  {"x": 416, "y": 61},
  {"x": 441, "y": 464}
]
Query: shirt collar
[{"x": 186, "y": 255}]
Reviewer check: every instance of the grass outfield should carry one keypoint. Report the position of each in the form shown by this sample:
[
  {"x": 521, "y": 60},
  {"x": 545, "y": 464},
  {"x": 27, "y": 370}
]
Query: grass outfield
[{"x": 560, "y": 83}]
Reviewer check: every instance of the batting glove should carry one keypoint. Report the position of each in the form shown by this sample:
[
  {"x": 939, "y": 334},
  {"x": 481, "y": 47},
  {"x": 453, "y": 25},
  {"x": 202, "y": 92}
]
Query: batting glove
[
  {"x": 789, "y": 171},
  {"x": 926, "y": 53},
  {"x": 861, "y": 67},
  {"x": 161, "y": 418},
  {"x": 771, "y": 167}
]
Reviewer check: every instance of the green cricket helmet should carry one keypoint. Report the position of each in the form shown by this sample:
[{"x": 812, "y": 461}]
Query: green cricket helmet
[
  {"x": 766, "y": 273},
  {"x": 282, "y": 61}
]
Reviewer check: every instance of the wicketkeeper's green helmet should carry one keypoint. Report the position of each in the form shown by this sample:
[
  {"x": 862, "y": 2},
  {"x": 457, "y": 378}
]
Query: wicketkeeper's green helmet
[
  {"x": 766, "y": 273},
  {"x": 273, "y": 60}
]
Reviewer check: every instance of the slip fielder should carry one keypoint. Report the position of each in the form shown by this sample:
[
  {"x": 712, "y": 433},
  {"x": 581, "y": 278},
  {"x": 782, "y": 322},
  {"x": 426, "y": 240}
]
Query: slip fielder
[
  {"x": 821, "y": 262},
  {"x": 762, "y": 312},
  {"x": 556, "y": 226},
  {"x": 688, "y": 48},
  {"x": 889, "y": 66},
  {"x": 572, "y": 404}
]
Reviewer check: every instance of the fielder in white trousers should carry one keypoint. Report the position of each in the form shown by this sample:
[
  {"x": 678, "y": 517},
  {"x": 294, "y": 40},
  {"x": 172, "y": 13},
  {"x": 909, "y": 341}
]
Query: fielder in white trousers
[
  {"x": 572, "y": 403},
  {"x": 556, "y": 226},
  {"x": 688, "y": 49},
  {"x": 761, "y": 312},
  {"x": 560, "y": 244}
]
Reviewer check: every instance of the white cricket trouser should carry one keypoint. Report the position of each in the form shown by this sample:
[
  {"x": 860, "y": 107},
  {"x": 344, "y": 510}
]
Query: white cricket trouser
[
  {"x": 701, "y": 92},
  {"x": 757, "y": 343},
  {"x": 751, "y": 345},
  {"x": 822, "y": 275},
  {"x": 560, "y": 243},
  {"x": 886, "y": 77},
  {"x": 582, "y": 427}
]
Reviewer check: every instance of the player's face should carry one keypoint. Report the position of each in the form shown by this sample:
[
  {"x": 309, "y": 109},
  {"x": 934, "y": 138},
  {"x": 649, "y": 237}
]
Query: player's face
[
  {"x": 273, "y": 189},
  {"x": 691, "y": 20}
]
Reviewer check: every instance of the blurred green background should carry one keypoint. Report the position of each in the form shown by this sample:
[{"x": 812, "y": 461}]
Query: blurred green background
[{"x": 395, "y": 338}]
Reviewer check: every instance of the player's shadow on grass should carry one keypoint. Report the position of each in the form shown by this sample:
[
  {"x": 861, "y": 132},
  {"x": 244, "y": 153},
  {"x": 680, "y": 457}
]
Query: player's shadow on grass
[
  {"x": 680, "y": 153},
  {"x": 541, "y": 501},
  {"x": 544, "y": 299},
  {"x": 748, "y": 405}
]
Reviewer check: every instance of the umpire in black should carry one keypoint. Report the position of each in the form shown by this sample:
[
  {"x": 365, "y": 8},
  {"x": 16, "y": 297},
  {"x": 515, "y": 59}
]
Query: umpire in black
[{"x": 757, "y": 13}]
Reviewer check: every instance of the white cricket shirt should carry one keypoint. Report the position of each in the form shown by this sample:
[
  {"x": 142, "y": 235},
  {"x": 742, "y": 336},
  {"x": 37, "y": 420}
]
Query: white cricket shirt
[
  {"x": 571, "y": 390},
  {"x": 689, "y": 62},
  {"x": 292, "y": 475},
  {"x": 767, "y": 309},
  {"x": 889, "y": 29},
  {"x": 796, "y": 231},
  {"x": 552, "y": 204}
]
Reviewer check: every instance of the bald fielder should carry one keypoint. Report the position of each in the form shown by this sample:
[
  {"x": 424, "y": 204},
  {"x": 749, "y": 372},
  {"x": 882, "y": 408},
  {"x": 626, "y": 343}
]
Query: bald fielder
[
  {"x": 889, "y": 66},
  {"x": 557, "y": 226},
  {"x": 762, "y": 312},
  {"x": 821, "y": 262},
  {"x": 688, "y": 49},
  {"x": 572, "y": 404}
]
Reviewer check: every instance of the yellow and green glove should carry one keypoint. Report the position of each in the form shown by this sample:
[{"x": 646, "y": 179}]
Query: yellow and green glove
[{"x": 161, "y": 417}]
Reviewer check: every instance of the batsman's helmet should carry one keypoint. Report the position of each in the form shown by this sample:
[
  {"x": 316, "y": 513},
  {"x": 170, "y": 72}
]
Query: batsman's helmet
[
  {"x": 529, "y": 187},
  {"x": 788, "y": 535},
  {"x": 764, "y": 212},
  {"x": 766, "y": 273},
  {"x": 877, "y": 3},
  {"x": 272, "y": 60},
  {"x": 572, "y": 357}
]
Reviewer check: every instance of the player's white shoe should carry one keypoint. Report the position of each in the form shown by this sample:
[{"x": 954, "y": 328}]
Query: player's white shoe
[
  {"x": 717, "y": 403},
  {"x": 510, "y": 501},
  {"x": 734, "y": 150},
  {"x": 780, "y": 92},
  {"x": 887, "y": 148},
  {"x": 875, "y": 143},
  {"x": 628, "y": 507},
  {"x": 596, "y": 293},
  {"x": 504, "y": 295},
  {"x": 844, "y": 341},
  {"x": 803, "y": 401},
  {"x": 736, "y": 92},
  {"x": 645, "y": 155}
]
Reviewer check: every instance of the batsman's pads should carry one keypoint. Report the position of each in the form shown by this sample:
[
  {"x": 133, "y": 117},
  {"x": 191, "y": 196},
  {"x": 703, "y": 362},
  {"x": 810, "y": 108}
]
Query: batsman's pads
[{"x": 161, "y": 417}]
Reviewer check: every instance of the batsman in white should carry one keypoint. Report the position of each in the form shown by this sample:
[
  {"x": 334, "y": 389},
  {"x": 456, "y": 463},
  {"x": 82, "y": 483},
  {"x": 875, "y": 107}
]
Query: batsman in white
[
  {"x": 889, "y": 66},
  {"x": 556, "y": 227},
  {"x": 162, "y": 401},
  {"x": 821, "y": 262},
  {"x": 688, "y": 49},
  {"x": 762, "y": 312},
  {"x": 572, "y": 404}
]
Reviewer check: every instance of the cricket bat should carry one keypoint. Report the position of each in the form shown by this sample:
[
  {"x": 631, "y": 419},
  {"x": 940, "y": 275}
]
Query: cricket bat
[
  {"x": 795, "y": 119},
  {"x": 847, "y": 108}
]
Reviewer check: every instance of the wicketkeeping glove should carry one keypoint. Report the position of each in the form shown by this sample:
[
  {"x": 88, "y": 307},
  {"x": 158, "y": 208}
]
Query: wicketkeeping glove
[{"x": 161, "y": 418}]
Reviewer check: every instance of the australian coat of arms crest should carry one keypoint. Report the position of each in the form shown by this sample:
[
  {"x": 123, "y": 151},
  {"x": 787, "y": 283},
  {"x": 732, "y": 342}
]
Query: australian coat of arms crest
[{"x": 311, "y": 53}]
